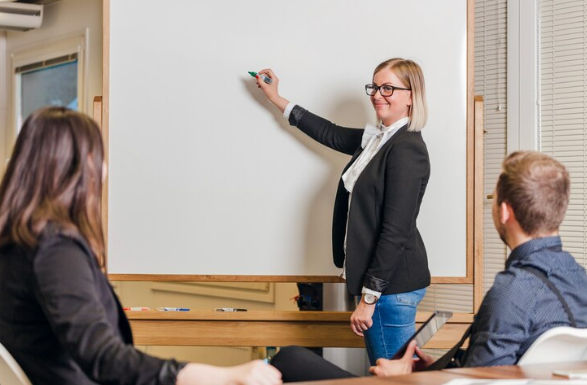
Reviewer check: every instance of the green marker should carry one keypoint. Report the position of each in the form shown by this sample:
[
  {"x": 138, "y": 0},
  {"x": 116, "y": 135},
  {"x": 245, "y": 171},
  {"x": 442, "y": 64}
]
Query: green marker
[{"x": 265, "y": 78}]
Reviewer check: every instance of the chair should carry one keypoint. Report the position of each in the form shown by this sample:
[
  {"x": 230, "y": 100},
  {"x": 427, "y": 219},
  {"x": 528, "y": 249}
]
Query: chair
[
  {"x": 560, "y": 344},
  {"x": 10, "y": 371}
]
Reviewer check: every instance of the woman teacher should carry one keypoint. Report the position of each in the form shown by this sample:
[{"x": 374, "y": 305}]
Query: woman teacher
[{"x": 375, "y": 239}]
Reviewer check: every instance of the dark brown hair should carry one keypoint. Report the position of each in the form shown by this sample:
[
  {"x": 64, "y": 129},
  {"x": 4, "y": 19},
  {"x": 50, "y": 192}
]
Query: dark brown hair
[
  {"x": 537, "y": 187},
  {"x": 54, "y": 176}
]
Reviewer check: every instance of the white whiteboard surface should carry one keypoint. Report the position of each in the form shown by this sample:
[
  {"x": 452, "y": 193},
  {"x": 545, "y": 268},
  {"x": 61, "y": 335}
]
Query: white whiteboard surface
[{"x": 207, "y": 178}]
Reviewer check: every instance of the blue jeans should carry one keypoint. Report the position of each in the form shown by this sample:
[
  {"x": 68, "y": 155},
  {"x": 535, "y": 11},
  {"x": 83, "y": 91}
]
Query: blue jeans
[{"x": 394, "y": 322}]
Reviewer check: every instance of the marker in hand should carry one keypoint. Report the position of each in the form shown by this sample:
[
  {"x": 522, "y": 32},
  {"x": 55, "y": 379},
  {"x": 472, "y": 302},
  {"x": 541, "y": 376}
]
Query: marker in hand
[{"x": 265, "y": 78}]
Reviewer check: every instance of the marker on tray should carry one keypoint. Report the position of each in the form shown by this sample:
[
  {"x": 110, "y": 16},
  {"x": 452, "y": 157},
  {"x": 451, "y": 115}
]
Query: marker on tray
[
  {"x": 265, "y": 78},
  {"x": 136, "y": 308},
  {"x": 229, "y": 309},
  {"x": 173, "y": 309}
]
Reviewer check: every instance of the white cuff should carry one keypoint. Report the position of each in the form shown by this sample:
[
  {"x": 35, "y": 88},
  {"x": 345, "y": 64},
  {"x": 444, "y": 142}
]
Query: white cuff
[
  {"x": 288, "y": 109},
  {"x": 369, "y": 291}
]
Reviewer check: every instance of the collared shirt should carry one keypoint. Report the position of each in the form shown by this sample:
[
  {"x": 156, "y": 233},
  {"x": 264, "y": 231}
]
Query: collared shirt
[{"x": 520, "y": 307}]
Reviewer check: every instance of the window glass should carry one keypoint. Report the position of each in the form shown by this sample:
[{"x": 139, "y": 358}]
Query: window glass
[{"x": 49, "y": 86}]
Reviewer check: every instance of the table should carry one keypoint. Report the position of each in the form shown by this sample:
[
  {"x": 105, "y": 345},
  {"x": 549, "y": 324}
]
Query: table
[
  {"x": 266, "y": 328},
  {"x": 539, "y": 372}
]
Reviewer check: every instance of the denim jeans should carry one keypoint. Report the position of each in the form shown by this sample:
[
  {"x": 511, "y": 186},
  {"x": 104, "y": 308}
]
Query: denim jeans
[{"x": 394, "y": 322}]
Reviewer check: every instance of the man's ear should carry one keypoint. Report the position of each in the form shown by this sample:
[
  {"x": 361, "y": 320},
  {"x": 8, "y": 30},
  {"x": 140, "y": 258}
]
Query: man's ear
[{"x": 506, "y": 213}]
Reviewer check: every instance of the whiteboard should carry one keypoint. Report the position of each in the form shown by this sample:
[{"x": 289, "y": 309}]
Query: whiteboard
[{"x": 206, "y": 177}]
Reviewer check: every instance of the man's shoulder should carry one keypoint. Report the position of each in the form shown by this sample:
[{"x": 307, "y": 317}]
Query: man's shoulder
[
  {"x": 512, "y": 283},
  {"x": 550, "y": 263}
]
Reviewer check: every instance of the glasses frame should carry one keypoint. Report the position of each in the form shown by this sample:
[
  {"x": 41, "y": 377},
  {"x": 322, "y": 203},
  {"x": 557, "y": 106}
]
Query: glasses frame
[{"x": 378, "y": 88}]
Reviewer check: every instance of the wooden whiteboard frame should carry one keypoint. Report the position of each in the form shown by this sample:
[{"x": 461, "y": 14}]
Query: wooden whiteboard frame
[{"x": 474, "y": 182}]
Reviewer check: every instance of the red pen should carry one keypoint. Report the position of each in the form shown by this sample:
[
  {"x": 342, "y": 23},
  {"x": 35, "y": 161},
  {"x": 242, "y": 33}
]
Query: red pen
[{"x": 136, "y": 308}]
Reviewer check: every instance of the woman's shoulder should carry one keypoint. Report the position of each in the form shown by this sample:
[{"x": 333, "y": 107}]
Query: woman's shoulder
[
  {"x": 410, "y": 136},
  {"x": 63, "y": 244},
  {"x": 409, "y": 141}
]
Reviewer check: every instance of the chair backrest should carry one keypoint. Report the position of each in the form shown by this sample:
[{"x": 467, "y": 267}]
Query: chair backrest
[
  {"x": 561, "y": 344},
  {"x": 10, "y": 371}
]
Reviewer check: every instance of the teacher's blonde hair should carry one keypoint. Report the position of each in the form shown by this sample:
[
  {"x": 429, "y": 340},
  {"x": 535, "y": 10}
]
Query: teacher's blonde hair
[{"x": 410, "y": 74}]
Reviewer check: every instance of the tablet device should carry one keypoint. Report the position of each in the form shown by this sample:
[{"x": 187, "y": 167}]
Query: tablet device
[{"x": 426, "y": 331}]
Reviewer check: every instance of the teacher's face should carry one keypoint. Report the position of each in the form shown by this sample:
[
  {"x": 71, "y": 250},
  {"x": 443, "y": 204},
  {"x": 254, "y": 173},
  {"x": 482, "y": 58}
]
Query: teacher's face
[{"x": 390, "y": 109}]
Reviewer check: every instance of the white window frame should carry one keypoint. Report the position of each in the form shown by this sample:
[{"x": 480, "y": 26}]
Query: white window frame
[
  {"x": 41, "y": 52},
  {"x": 523, "y": 99}
]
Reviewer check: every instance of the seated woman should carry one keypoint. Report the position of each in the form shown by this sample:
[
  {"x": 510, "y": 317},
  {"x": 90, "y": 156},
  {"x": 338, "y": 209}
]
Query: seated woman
[{"x": 59, "y": 316}]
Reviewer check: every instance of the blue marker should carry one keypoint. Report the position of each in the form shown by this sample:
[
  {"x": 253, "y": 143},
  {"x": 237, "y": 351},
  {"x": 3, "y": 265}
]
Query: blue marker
[
  {"x": 173, "y": 309},
  {"x": 265, "y": 78}
]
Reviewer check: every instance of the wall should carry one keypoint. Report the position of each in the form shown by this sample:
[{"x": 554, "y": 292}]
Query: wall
[{"x": 62, "y": 19}]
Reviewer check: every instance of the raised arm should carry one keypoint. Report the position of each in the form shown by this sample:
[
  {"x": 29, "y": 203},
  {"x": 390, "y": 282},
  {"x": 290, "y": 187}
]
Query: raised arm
[{"x": 343, "y": 139}]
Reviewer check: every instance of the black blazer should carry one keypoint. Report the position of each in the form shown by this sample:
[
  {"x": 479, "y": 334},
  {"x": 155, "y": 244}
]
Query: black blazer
[
  {"x": 385, "y": 251},
  {"x": 62, "y": 322}
]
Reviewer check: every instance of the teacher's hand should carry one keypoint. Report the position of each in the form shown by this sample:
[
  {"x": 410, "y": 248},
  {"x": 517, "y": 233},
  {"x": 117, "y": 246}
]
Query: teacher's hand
[
  {"x": 272, "y": 90},
  {"x": 362, "y": 318}
]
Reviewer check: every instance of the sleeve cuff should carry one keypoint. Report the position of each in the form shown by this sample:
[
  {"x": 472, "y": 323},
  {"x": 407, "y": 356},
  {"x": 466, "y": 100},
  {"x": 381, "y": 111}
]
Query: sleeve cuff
[
  {"x": 296, "y": 115},
  {"x": 288, "y": 109},
  {"x": 169, "y": 371},
  {"x": 376, "y": 284},
  {"x": 369, "y": 291}
]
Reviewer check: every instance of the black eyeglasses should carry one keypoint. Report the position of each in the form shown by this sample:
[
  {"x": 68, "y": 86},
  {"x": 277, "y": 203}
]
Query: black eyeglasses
[{"x": 384, "y": 90}]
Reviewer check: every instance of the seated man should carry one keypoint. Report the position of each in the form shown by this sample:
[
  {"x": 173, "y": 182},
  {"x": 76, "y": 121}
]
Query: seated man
[{"x": 529, "y": 204}]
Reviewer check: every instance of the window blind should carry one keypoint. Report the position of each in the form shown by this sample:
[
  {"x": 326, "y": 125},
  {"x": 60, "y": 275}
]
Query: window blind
[
  {"x": 491, "y": 83},
  {"x": 563, "y": 106}
]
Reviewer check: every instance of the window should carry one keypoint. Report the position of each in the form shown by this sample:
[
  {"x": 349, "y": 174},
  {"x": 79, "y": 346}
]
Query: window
[
  {"x": 48, "y": 84},
  {"x": 48, "y": 75}
]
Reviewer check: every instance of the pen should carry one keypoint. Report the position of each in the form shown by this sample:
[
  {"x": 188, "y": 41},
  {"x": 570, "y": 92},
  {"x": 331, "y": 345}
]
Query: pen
[
  {"x": 173, "y": 309},
  {"x": 136, "y": 308},
  {"x": 229, "y": 309},
  {"x": 265, "y": 78}
]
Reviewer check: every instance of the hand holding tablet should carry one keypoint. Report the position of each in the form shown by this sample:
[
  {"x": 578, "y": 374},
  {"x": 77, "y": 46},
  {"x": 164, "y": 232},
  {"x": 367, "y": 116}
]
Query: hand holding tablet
[{"x": 426, "y": 331}]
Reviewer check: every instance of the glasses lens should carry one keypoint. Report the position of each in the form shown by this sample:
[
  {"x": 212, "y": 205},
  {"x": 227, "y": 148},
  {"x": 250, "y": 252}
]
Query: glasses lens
[
  {"x": 386, "y": 90},
  {"x": 370, "y": 89}
]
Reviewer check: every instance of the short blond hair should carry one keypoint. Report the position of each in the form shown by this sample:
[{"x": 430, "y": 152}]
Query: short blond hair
[{"x": 410, "y": 73}]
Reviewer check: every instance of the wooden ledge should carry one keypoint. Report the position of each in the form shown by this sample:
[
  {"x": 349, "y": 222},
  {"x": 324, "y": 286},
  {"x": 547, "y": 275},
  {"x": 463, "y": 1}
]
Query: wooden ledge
[
  {"x": 266, "y": 328},
  {"x": 264, "y": 315}
]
